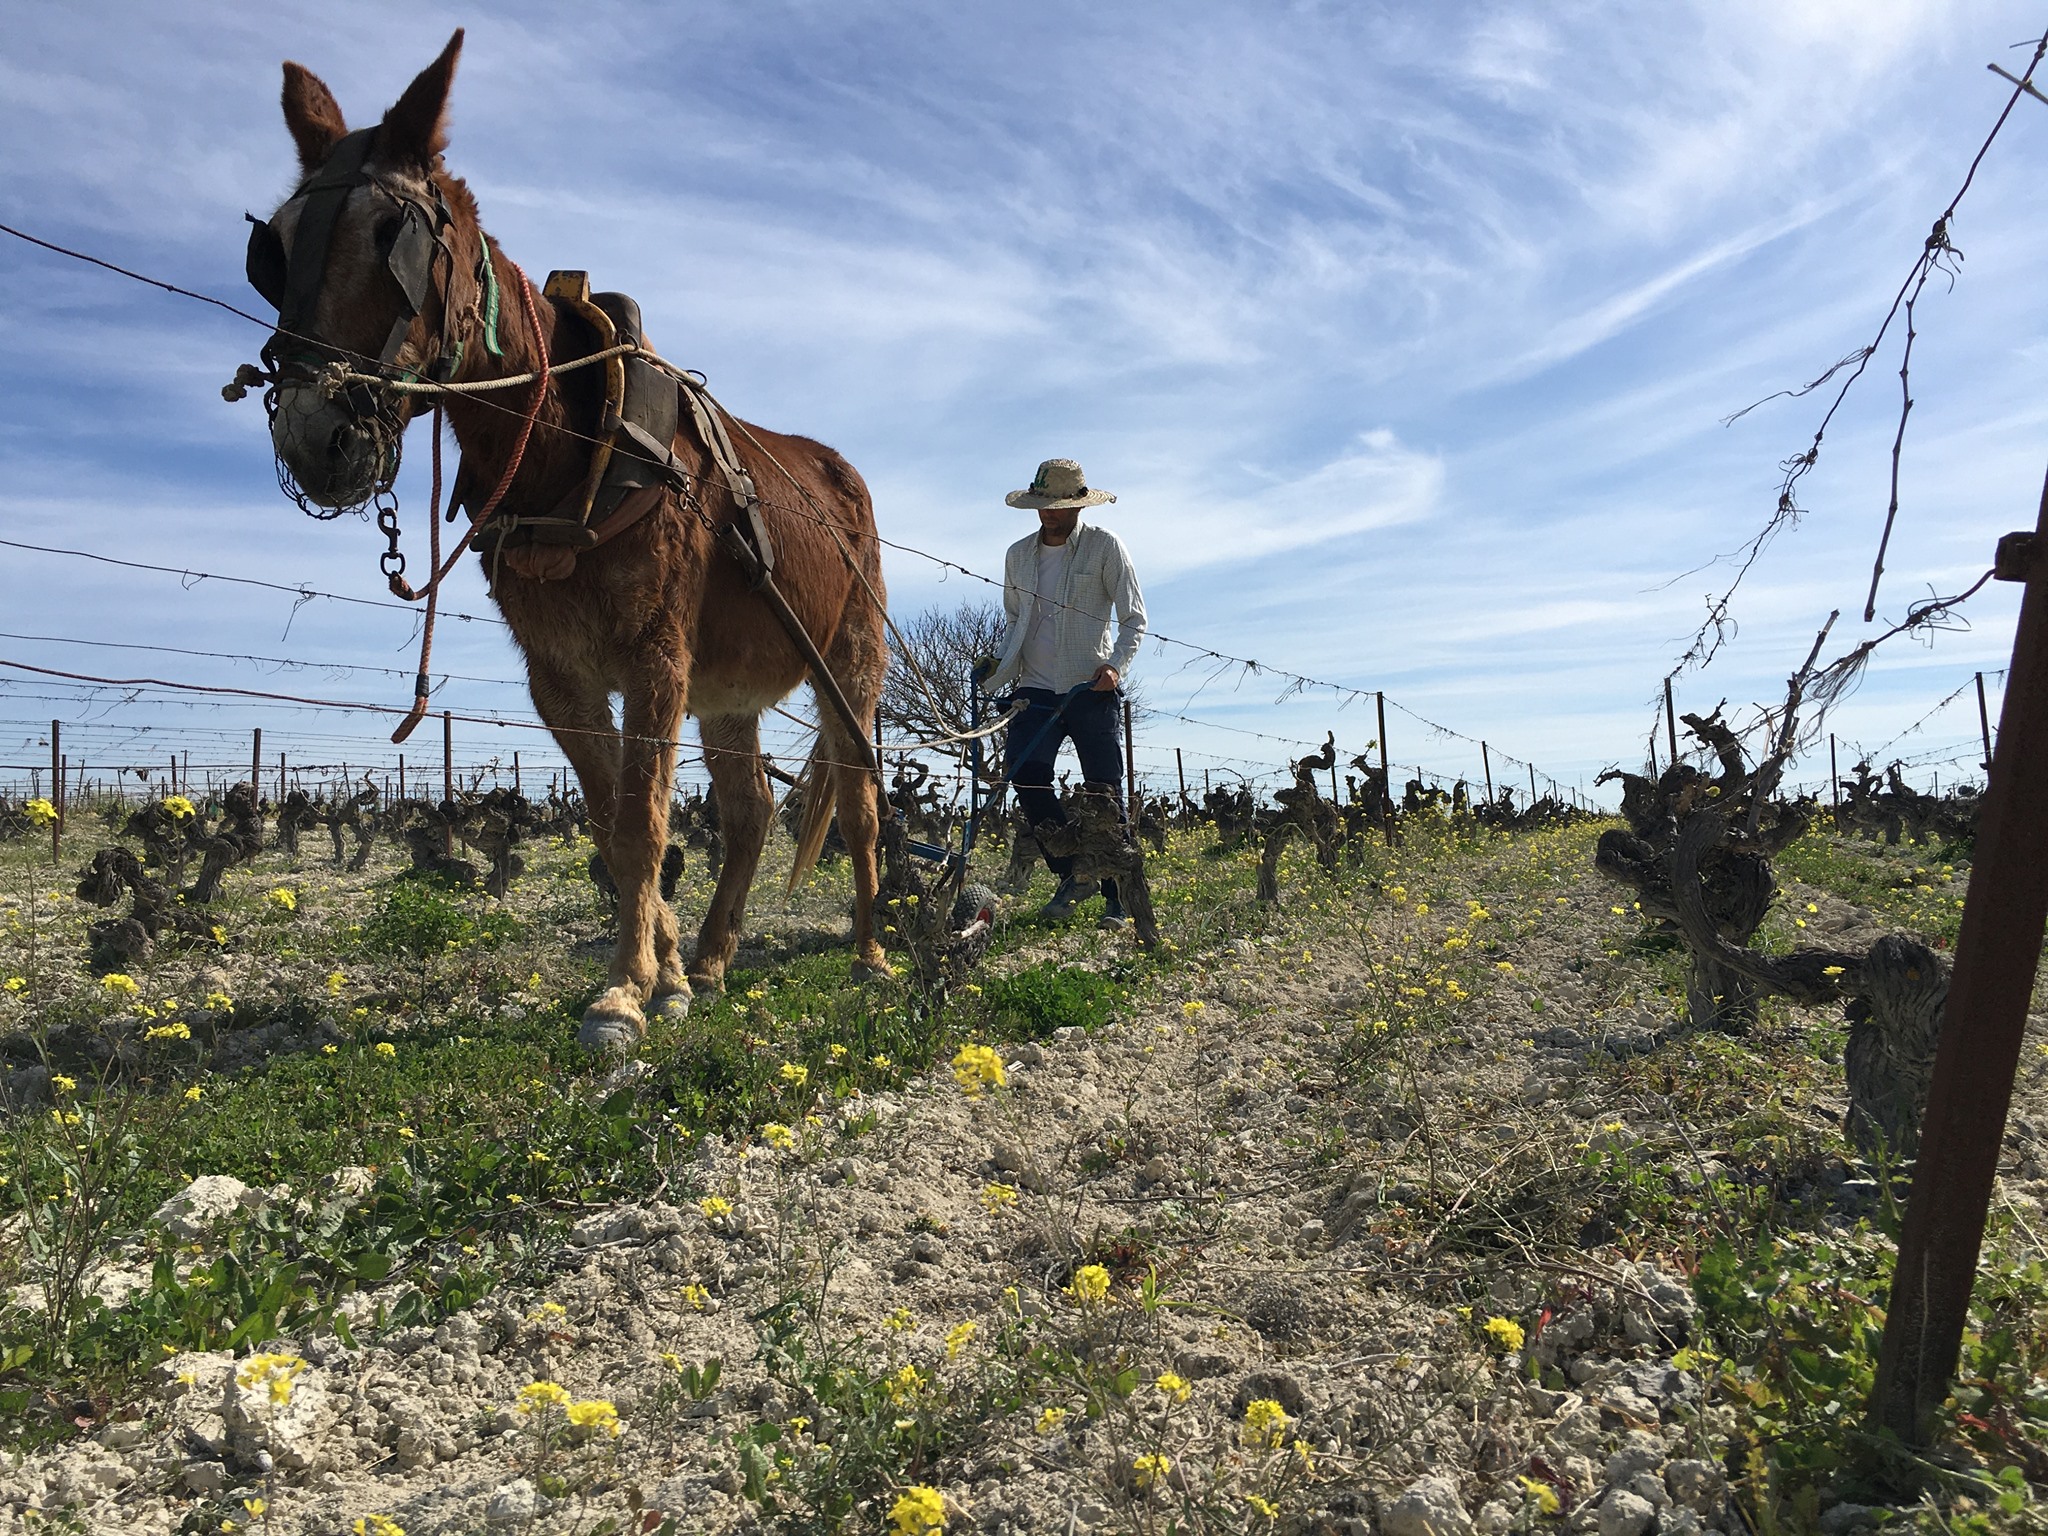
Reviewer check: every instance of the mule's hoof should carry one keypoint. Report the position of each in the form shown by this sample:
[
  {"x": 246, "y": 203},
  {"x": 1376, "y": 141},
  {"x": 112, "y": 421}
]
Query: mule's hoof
[
  {"x": 671, "y": 1007},
  {"x": 610, "y": 1031}
]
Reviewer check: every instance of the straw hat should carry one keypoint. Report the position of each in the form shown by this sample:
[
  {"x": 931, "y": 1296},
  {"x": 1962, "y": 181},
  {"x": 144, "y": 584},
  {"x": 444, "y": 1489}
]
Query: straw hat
[{"x": 1059, "y": 483}]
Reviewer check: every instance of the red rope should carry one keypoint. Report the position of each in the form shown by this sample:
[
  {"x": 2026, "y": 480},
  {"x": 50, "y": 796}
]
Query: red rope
[{"x": 432, "y": 591}]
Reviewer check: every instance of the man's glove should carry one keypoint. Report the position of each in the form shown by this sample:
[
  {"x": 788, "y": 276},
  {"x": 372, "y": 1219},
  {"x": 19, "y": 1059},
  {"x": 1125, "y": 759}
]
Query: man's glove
[{"x": 984, "y": 668}]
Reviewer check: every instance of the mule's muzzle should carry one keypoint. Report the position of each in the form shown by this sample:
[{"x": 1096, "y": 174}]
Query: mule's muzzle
[{"x": 340, "y": 449}]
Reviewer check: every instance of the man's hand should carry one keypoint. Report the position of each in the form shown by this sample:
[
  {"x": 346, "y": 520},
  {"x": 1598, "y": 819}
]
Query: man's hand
[
  {"x": 1106, "y": 678},
  {"x": 984, "y": 668}
]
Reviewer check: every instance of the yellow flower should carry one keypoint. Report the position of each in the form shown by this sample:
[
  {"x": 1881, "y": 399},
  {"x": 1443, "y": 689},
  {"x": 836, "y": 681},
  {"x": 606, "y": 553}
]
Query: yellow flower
[
  {"x": 385, "y": 1048},
  {"x": 17, "y": 983},
  {"x": 547, "y": 1309},
  {"x": 335, "y": 982},
  {"x": 1151, "y": 1469},
  {"x": 881, "y": 1063},
  {"x": 377, "y": 1525},
  {"x": 329, "y": 1049},
  {"x": 65, "y": 1117},
  {"x": 1504, "y": 1331},
  {"x": 919, "y": 1512},
  {"x": 1831, "y": 970},
  {"x": 255, "y": 1508},
  {"x": 178, "y": 807},
  {"x": 1301, "y": 1451},
  {"x": 995, "y": 1197},
  {"x": 1050, "y": 1419},
  {"x": 795, "y": 1074},
  {"x": 1192, "y": 1007},
  {"x": 1543, "y": 1494},
  {"x": 1175, "y": 1387},
  {"x": 40, "y": 812},
  {"x": 595, "y": 1414},
  {"x": 1089, "y": 1285},
  {"x": 536, "y": 1157},
  {"x": 284, "y": 898},
  {"x": 1261, "y": 1506},
  {"x": 192, "y": 1094},
  {"x": 976, "y": 1067},
  {"x": 1265, "y": 1422},
  {"x": 119, "y": 985},
  {"x": 405, "y": 1133},
  {"x": 220, "y": 934},
  {"x": 274, "y": 1373},
  {"x": 220, "y": 1002},
  {"x": 900, "y": 1321},
  {"x": 906, "y": 1384},
  {"x": 836, "y": 1051},
  {"x": 539, "y": 1396},
  {"x": 1504, "y": 966},
  {"x": 778, "y": 1136},
  {"x": 714, "y": 1206},
  {"x": 62, "y": 1083},
  {"x": 168, "y": 1032},
  {"x": 695, "y": 1297},
  {"x": 957, "y": 1338}
]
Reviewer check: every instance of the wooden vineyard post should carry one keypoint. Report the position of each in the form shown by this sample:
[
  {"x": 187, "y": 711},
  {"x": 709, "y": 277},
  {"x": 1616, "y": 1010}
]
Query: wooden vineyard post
[
  {"x": 1130, "y": 764},
  {"x": 57, "y": 789},
  {"x": 1984, "y": 722},
  {"x": 1835, "y": 778},
  {"x": 1486, "y": 763},
  {"x": 1532, "y": 786},
  {"x": 401, "y": 775},
  {"x": 1180, "y": 771},
  {"x": 1336, "y": 795},
  {"x": 280, "y": 778},
  {"x": 174, "y": 773},
  {"x": 256, "y": 764},
  {"x": 1977, "y": 1060},
  {"x": 1670, "y": 723},
  {"x": 1386, "y": 775},
  {"x": 448, "y": 777},
  {"x": 515, "y": 773}
]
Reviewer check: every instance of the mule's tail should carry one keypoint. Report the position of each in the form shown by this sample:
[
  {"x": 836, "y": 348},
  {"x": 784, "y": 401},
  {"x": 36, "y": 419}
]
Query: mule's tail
[{"x": 815, "y": 785}]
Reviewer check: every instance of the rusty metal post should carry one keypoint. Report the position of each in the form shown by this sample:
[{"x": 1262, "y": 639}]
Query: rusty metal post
[
  {"x": 174, "y": 773},
  {"x": 401, "y": 776},
  {"x": 1180, "y": 771},
  {"x": 1532, "y": 785},
  {"x": 1835, "y": 778},
  {"x": 1997, "y": 951},
  {"x": 280, "y": 778},
  {"x": 256, "y": 765},
  {"x": 1984, "y": 722},
  {"x": 1670, "y": 722},
  {"x": 1486, "y": 763},
  {"x": 515, "y": 774},
  {"x": 1386, "y": 775},
  {"x": 1336, "y": 795}
]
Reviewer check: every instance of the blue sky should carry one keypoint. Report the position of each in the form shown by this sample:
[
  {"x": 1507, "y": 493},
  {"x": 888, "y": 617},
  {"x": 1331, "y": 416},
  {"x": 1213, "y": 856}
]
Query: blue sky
[{"x": 1404, "y": 333}]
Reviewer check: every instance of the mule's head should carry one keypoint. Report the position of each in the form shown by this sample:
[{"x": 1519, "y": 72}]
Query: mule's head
[{"x": 359, "y": 262}]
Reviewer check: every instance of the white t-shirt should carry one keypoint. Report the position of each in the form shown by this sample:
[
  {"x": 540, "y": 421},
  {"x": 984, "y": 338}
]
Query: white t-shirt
[{"x": 1039, "y": 660}]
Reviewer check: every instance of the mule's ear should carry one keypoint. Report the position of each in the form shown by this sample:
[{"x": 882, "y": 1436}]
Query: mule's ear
[
  {"x": 416, "y": 129},
  {"x": 312, "y": 115}
]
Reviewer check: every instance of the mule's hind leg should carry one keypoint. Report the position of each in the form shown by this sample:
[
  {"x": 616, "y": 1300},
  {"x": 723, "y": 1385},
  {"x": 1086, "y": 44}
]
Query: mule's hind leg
[
  {"x": 861, "y": 826},
  {"x": 639, "y": 837},
  {"x": 732, "y": 754}
]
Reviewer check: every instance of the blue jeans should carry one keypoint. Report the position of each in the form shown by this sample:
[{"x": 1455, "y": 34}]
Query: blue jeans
[{"x": 1092, "y": 721}]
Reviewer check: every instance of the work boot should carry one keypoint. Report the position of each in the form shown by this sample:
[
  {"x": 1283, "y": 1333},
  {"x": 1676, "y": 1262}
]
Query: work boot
[
  {"x": 1114, "y": 919},
  {"x": 1070, "y": 895}
]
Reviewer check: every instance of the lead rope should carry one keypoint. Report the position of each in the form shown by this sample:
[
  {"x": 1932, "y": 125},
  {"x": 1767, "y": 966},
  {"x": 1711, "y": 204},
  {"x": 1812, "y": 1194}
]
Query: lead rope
[{"x": 403, "y": 589}]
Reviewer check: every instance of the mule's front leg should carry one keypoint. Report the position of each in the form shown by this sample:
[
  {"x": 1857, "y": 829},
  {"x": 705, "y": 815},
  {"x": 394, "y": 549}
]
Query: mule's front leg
[{"x": 644, "y": 965}]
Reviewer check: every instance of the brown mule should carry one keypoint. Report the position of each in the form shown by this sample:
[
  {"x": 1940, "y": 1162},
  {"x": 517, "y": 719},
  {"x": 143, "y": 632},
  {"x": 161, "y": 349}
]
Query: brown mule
[{"x": 660, "y": 614}]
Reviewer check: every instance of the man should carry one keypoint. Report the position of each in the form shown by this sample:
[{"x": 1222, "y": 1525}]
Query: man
[{"x": 1061, "y": 587}]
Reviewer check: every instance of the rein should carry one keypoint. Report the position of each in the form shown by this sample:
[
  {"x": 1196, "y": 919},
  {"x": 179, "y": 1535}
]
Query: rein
[{"x": 400, "y": 587}]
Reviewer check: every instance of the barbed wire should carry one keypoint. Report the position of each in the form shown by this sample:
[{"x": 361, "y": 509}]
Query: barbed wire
[{"x": 1295, "y": 682}]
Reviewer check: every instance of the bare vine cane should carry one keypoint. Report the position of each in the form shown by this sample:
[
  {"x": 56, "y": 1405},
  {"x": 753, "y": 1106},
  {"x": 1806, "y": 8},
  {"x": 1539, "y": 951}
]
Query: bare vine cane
[{"x": 400, "y": 587}]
